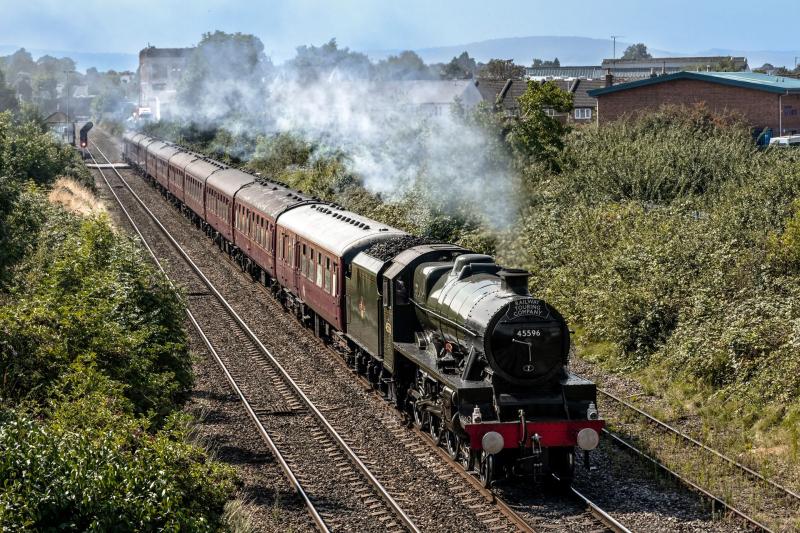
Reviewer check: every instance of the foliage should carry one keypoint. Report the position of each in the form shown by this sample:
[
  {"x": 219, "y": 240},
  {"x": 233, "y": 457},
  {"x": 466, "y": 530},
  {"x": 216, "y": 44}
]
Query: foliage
[
  {"x": 546, "y": 63},
  {"x": 89, "y": 464},
  {"x": 93, "y": 364},
  {"x": 221, "y": 67},
  {"x": 502, "y": 69},
  {"x": 405, "y": 66},
  {"x": 636, "y": 51},
  {"x": 314, "y": 62},
  {"x": 461, "y": 67},
  {"x": 673, "y": 239},
  {"x": 663, "y": 156},
  {"x": 27, "y": 151},
  {"x": 8, "y": 97},
  {"x": 536, "y": 135},
  {"x": 86, "y": 284}
]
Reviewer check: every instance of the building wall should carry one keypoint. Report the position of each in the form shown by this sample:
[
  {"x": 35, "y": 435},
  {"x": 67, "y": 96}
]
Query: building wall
[
  {"x": 759, "y": 108},
  {"x": 160, "y": 71}
]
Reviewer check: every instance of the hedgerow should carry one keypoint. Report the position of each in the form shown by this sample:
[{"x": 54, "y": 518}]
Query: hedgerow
[
  {"x": 674, "y": 239},
  {"x": 93, "y": 367}
]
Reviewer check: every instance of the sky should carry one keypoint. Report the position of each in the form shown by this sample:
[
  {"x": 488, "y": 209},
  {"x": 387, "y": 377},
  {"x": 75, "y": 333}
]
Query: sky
[{"x": 682, "y": 26}]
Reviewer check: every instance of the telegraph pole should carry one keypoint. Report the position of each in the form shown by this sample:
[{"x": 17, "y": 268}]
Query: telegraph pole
[{"x": 614, "y": 40}]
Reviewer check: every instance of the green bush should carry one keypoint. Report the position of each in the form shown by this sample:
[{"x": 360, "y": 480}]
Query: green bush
[
  {"x": 672, "y": 239},
  {"x": 87, "y": 290},
  {"x": 90, "y": 465},
  {"x": 29, "y": 152},
  {"x": 93, "y": 365}
]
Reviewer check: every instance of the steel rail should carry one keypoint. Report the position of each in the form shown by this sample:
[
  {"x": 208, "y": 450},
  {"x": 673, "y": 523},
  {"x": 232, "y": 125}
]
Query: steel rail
[
  {"x": 390, "y": 501},
  {"x": 699, "y": 444},
  {"x": 630, "y": 447},
  {"x": 608, "y": 520},
  {"x": 315, "y": 516}
]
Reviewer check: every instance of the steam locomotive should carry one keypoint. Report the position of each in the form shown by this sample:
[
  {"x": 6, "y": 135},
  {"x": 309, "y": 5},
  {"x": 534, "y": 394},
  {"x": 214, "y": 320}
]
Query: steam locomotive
[{"x": 446, "y": 335}]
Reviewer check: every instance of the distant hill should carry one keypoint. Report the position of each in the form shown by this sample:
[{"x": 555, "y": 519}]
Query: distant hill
[
  {"x": 568, "y": 50},
  {"x": 83, "y": 60}
]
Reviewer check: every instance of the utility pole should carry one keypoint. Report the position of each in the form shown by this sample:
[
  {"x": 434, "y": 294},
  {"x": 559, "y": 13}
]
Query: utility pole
[{"x": 614, "y": 39}]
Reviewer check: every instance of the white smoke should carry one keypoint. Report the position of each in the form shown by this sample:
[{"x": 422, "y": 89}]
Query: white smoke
[{"x": 397, "y": 134}]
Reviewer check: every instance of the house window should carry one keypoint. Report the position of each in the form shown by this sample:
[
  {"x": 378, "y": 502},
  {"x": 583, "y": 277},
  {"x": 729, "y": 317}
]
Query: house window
[{"x": 583, "y": 113}]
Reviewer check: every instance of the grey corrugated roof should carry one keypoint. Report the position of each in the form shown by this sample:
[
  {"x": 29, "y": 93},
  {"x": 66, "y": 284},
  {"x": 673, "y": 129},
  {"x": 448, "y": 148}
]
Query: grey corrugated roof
[
  {"x": 587, "y": 71},
  {"x": 672, "y": 62}
]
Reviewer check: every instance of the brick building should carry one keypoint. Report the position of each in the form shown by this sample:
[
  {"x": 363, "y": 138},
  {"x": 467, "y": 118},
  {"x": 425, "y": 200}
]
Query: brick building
[
  {"x": 160, "y": 71},
  {"x": 764, "y": 101}
]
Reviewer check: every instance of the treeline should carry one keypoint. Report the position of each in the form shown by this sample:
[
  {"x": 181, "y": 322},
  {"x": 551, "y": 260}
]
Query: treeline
[
  {"x": 49, "y": 84},
  {"x": 94, "y": 366}
]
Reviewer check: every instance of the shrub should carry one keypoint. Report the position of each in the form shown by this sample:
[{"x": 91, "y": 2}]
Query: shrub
[
  {"x": 89, "y": 291},
  {"x": 91, "y": 465}
]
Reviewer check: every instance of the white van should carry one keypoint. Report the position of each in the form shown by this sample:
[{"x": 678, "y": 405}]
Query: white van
[{"x": 785, "y": 141}]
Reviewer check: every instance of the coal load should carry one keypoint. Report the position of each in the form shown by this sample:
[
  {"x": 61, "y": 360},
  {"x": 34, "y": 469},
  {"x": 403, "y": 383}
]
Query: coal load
[{"x": 389, "y": 249}]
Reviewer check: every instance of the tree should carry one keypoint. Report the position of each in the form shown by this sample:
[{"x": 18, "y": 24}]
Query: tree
[
  {"x": 314, "y": 62},
  {"x": 539, "y": 63},
  {"x": 225, "y": 75},
  {"x": 8, "y": 97},
  {"x": 502, "y": 69},
  {"x": 461, "y": 67},
  {"x": 535, "y": 135},
  {"x": 20, "y": 61},
  {"x": 406, "y": 66},
  {"x": 636, "y": 51}
]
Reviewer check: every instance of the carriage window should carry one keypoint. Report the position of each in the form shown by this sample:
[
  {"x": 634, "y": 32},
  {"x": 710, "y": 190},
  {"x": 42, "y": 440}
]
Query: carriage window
[
  {"x": 335, "y": 280},
  {"x": 304, "y": 259},
  {"x": 319, "y": 269},
  {"x": 327, "y": 275}
]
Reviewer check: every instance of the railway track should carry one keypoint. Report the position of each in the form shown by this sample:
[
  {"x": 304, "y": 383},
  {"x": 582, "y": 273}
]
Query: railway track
[
  {"x": 729, "y": 485},
  {"x": 336, "y": 486},
  {"x": 498, "y": 516}
]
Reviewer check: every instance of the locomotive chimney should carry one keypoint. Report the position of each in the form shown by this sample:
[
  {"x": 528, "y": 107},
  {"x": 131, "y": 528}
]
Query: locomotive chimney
[{"x": 515, "y": 280}]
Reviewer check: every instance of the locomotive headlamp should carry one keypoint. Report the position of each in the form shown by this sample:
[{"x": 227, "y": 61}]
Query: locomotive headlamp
[
  {"x": 492, "y": 442},
  {"x": 588, "y": 439},
  {"x": 591, "y": 412}
]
